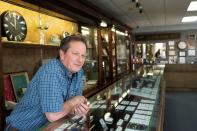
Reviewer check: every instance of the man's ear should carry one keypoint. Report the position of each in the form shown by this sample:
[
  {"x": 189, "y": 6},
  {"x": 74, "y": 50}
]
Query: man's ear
[{"x": 61, "y": 53}]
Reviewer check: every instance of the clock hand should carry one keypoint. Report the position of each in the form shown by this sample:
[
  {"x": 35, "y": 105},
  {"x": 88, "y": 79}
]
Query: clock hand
[
  {"x": 12, "y": 24},
  {"x": 15, "y": 22}
]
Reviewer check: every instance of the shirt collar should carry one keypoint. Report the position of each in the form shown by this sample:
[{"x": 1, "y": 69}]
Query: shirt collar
[{"x": 66, "y": 71}]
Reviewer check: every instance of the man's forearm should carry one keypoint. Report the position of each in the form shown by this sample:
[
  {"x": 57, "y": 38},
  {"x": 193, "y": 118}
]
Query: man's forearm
[{"x": 67, "y": 109}]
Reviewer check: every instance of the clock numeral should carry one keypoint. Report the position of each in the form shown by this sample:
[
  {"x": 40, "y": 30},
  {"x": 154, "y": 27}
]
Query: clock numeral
[
  {"x": 18, "y": 17},
  {"x": 5, "y": 25},
  {"x": 6, "y": 19},
  {"x": 23, "y": 28},
  {"x": 10, "y": 36},
  {"x": 19, "y": 37},
  {"x": 7, "y": 31},
  {"x": 22, "y": 33},
  {"x": 9, "y": 14},
  {"x": 22, "y": 22}
]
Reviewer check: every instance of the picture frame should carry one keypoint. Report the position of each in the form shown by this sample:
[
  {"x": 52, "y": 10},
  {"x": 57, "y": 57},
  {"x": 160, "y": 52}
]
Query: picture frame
[
  {"x": 172, "y": 59},
  {"x": 182, "y": 60},
  {"x": 192, "y": 36},
  {"x": 191, "y": 52},
  {"x": 8, "y": 88},
  {"x": 20, "y": 82},
  {"x": 171, "y": 52},
  {"x": 171, "y": 47},
  {"x": 182, "y": 53},
  {"x": 171, "y": 43},
  {"x": 191, "y": 44}
]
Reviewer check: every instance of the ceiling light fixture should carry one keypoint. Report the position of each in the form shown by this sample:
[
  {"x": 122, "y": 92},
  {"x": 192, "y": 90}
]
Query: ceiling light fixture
[
  {"x": 103, "y": 24},
  {"x": 192, "y": 6},
  {"x": 189, "y": 19}
]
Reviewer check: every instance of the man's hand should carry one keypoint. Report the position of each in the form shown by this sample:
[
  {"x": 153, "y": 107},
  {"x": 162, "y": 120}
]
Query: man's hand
[
  {"x": 78, "y": 100},
  {"x": 81, "y": 109}
]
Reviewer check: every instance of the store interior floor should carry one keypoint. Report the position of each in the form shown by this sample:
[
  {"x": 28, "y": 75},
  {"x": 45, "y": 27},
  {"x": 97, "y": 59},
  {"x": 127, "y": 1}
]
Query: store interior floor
[{"x": 180, "y": 111}]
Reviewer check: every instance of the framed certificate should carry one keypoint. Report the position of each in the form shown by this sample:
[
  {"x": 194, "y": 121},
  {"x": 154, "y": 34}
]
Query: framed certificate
[
  {"x": 19, "y": 83},
  {"x": 182, "y": 60},
  {"x": 182, "y": 53},
  {"x": 191, "y": 52},
  {"x": 171, "y": 52}
]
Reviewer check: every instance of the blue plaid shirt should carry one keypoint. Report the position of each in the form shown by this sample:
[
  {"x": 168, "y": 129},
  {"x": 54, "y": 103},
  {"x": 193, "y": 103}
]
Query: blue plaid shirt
[{"x": 50, "y": 87}]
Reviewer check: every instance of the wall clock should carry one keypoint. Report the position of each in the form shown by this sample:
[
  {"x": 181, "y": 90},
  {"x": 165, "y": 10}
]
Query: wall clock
[
  {"x": 182, "y": 45},
  {"x": 14, "y": 26}
]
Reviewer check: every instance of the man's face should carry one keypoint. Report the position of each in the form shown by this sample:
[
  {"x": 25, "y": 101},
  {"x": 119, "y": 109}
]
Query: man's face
[{"x": 74, "y": 58}]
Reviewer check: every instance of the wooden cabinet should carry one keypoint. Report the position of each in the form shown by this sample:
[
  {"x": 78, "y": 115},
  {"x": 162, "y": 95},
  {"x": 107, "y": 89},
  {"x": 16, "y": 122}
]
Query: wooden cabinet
[
  {"x": 91, "y": 65},
  {"x": 123, "y": 52}
]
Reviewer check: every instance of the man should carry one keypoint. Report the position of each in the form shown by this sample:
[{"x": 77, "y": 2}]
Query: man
[{"x": 55, "y": 90}]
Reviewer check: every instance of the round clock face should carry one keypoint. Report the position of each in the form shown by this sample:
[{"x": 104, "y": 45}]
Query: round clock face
[
  {"x": 14, "y": 26},
  {"x": 182, "y": 45}
]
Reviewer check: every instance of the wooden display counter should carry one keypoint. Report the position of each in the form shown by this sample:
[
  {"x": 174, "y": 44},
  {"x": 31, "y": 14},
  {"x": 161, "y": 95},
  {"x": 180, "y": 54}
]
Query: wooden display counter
[
  {"x": 181, "y": 76},
  {"x": 134, "y": 102}
]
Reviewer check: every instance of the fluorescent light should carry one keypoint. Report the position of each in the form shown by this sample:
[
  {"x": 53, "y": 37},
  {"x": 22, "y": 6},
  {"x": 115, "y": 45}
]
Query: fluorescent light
[
  {"x": 192, "y": 6},
  {"x": 103, "y": 24},
  {"x": 85, "y": 28},
  {"x": 189, "y": 19}
]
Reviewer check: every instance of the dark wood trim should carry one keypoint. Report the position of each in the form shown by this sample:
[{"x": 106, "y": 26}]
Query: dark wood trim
[
  {"x": 2, "y": 99},
  {"x": 100, "y": 66},
  {"x": 36, "y": 8},
  {"x": 162, "y": 104},
  {"x": 14, "y": 44},
  {"x": 110, "y": 54},
  {"x": 157, "y": 36}
]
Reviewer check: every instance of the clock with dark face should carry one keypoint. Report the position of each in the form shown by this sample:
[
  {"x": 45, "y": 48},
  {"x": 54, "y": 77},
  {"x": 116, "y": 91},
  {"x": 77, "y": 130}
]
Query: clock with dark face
[{"x": 14, "y": 26}]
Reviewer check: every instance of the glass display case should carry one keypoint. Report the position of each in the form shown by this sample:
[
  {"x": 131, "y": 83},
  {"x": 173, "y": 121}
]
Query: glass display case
[
  {"x": 91, "y": 65},
  {"x": 114, "y": 71},
  {"x": 105, "y": 53},
  {"x": 132, "y": 103},
  {"x": 121, "y": 49}
]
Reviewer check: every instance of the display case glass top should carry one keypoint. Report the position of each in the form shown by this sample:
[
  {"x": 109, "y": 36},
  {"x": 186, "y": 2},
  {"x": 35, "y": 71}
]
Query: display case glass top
[
  {"x": 105, "y": 53},
  {"x": 132, "y": 103}
]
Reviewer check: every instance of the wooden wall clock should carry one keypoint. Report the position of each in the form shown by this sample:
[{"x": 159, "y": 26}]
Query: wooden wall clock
[{"x": 14, "y": 26}]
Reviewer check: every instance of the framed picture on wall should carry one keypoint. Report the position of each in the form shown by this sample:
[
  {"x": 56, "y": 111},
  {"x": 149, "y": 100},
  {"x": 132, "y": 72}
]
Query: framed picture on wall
[
  {"x": 8, "y": 89},
  {"x": 192, "y": 36},
  {"x": 182, "y": 60},
  {"x": 172, "y": 59},
  {"x": 191, "y": 52},
  {"x": 171, "y": 52},
  {"x": 171, "y": 43},
  {"x": 182, "y": 53},
  {"x": 20, "y": 82},
  {"x": 171, "y": 47},
  {"x": 191, "y": 44}
]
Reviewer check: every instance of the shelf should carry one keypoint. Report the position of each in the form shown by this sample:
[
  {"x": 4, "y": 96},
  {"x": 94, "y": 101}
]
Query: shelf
[{"x": 15, "y": 44}]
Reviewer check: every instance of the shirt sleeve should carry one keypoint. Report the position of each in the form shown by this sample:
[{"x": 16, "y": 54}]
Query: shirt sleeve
[
  {"x": 50, "y": 93},
  {"x": 80, "y": 82}
]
